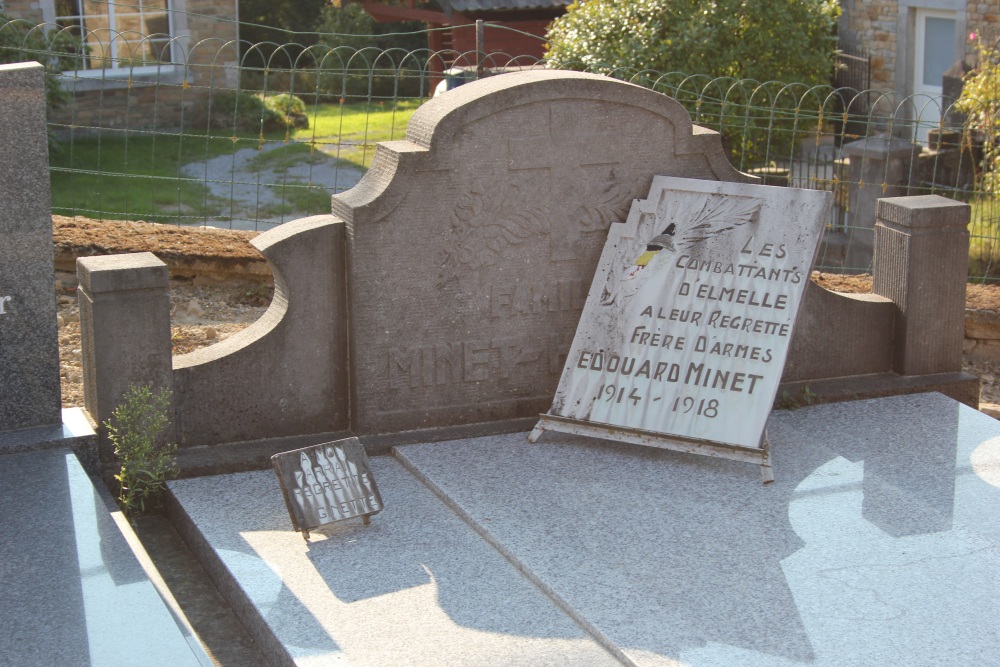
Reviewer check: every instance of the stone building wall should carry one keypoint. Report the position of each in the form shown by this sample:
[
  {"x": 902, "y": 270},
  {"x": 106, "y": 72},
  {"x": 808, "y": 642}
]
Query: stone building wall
[
  {"x": 874, "y": 26},
  {"x": 175, "y": 96},
  {"x": 871, "y": 25}
]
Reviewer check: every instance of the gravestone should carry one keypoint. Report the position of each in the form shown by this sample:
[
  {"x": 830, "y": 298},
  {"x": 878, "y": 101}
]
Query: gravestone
[
  {"x": 444, "y": 289},
  {"x": 30, "y": 402},
  {"x": 471, "y": 244},
  {"x": 880, "y": 167},
  {"x": 689, "y": 320},
  {"x": 29, "y": 345}
]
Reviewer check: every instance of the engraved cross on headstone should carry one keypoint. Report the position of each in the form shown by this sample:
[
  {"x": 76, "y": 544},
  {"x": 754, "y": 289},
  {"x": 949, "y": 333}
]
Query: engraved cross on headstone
[{"x": 575, "y": 162}]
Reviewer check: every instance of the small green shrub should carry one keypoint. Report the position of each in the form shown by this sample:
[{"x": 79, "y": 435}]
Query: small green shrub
[
  {"x": 290, "y": 108},
  {"x": 136, "y": 429},
  {"x": 239, "y": 111}
]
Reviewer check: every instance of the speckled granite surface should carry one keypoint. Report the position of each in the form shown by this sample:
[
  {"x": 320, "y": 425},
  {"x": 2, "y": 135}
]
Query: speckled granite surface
[
  {"x": 416, "y": 587},
  {"x": 878, "y": 544}
]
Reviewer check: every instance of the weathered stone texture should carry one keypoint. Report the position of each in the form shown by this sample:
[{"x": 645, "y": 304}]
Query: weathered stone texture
[
  {"x": 124, "y": 332},
  {"x": 286, "y": 374},
  {"x": 921, "y": 246},
  {"x": 472, "y": 244}
]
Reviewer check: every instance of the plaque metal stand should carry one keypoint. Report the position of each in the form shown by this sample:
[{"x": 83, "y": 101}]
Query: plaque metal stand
[
  {"x": 760, "y": 455},
  {"x": 327, "y": 483}
]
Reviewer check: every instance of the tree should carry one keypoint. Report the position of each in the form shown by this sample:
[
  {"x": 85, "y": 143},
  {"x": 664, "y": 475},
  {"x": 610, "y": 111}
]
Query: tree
[
  {"x": 764, "y": 55},
  {"x": 980, "y": 102},
  {"x": 782, "y": 40},
  {"x": 270, "y": 21},
  {"x": 378, "y": 59}
]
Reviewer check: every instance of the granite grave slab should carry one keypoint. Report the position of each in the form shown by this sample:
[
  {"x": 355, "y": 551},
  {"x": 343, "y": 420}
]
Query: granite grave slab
[
  {"x": 415, "y": 587},
  {"x": 878, "y": 544},
  {"x": 71, "y": 589},
  {"x": 874, "y": 546}
]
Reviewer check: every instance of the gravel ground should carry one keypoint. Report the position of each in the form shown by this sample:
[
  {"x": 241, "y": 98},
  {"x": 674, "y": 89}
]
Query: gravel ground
[{"x": 199, "y": 317}]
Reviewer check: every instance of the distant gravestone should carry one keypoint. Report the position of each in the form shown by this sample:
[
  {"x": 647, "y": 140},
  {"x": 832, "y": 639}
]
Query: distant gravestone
[
  {"x": 688, "y": 322},
  {"x": 327, "y": 483},
  {"x": 29, "y": 349},
  {"x": 471, "y": 244}
]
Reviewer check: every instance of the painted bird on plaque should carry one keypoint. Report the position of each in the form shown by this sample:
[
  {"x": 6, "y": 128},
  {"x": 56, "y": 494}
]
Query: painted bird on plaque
[
  {"x": 685, "y": 331},
  {"x": 327, "y": 483}
]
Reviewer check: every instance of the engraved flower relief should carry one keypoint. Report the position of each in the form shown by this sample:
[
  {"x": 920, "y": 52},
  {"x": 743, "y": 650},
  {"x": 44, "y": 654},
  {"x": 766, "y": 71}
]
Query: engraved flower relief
[{"x": 490, "y": 218}]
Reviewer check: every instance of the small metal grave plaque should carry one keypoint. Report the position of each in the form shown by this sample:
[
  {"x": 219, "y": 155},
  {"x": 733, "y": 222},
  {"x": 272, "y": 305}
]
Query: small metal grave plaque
[
  {"x": 327, "y": 483},
  {"x": 684, "y": 335}
]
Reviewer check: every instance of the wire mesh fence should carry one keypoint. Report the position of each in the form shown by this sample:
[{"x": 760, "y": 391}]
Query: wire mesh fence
[{"x": 228, "y": 134}]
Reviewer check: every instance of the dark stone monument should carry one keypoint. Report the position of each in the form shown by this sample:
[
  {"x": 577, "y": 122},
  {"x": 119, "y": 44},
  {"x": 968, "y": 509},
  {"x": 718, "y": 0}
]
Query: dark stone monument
[
  {"x": 30, "y": 400},
  {"x": 29, "y": 343}
]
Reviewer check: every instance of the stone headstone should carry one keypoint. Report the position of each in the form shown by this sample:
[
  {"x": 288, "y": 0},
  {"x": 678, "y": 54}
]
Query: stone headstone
[
  {"x": 472, "y": 243},
  {"x": 879, "y": 167},
  {"x": 327, "y": 483},
  {"x": 690, "y": 316},
  {"x": 29, "y": 349}
]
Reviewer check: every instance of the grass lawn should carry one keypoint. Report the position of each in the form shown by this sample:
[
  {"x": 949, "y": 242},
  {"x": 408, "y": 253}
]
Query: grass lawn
[
  {"x": 349, "y": 132},
  {"x": 984, "y": 240},
  {"x": 136, "y": 175},
  {"x": 133, "y": 176}
]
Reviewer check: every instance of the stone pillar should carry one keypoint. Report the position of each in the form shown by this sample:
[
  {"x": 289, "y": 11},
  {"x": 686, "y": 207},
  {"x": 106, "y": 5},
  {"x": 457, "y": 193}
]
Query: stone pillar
[
  {"x": 921, "y": 261},
  {"x": 29, "y": 336},
  {"x": 125, "y": 332},
  {"x": 879, "y": 167}
]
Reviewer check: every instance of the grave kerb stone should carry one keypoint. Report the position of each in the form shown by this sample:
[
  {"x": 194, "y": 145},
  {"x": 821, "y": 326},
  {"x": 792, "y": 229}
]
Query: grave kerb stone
[{"x": 922, "y": 244}]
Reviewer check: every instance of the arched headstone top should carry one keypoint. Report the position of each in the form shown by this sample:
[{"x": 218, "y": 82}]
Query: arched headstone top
[
  {"x": 441, "y": 117},
  {"x": 441, "y": 122}
]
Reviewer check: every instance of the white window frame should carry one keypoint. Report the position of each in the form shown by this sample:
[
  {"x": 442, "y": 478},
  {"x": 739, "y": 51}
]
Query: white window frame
[{"x": 177, "y": 25}]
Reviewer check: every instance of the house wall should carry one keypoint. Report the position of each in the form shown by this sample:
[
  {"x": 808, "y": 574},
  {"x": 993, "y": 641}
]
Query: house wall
[
  {"x": 29, "y": 10},
  {"x": 207, "y": 59},
  {"x": 885, "y": 29}
]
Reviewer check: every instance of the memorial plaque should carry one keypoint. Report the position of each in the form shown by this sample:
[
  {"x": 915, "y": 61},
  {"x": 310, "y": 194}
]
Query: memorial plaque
[
  {"x": 687, "y": 324},
  {"x": 472, "y": 243},
  {"x": 327, "y": 483}
]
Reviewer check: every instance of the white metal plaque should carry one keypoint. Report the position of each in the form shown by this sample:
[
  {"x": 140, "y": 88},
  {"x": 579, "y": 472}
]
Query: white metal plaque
[{"x": 687, "y": 324}]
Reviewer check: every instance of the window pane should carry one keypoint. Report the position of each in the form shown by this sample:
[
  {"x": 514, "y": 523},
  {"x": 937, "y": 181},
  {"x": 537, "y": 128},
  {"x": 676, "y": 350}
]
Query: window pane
[
  {"x": 939, "y": 49},
  {"x": 131, "y": 35}
]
